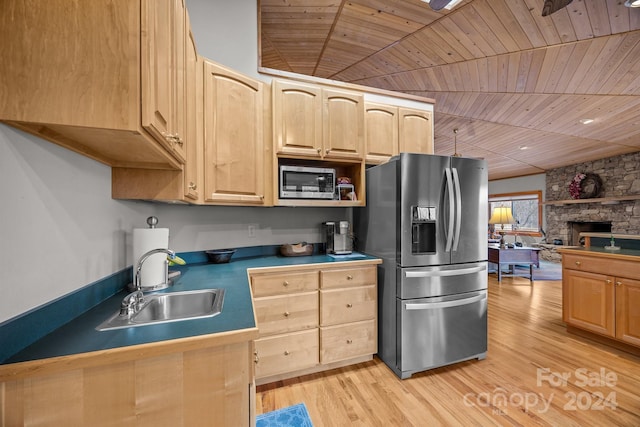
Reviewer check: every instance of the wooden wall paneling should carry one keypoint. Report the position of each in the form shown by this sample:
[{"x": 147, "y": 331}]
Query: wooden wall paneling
[
  {"x": 43, "y": 398},
  {"x": 159, "y": 390},
  {"x": 109, "y": 395}
]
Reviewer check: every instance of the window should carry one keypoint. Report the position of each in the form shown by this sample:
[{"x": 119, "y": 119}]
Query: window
[{"x": 526, "y": 208}]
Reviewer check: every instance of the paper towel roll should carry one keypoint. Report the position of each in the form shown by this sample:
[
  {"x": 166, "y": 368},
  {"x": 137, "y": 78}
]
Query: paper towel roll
[{"x": 154, "y": 268}]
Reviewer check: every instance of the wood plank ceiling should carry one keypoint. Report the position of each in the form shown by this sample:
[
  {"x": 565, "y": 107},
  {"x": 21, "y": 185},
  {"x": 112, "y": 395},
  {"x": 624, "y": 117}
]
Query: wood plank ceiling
[{"x": 515, "y": 84}]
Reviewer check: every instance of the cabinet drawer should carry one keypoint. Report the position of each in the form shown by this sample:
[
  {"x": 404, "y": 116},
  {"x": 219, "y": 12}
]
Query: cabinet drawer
[
  {"x": 347, "y": 305},
  {"x": 348, "y": 341},
  {"x": 287, "y": 313},
  {"x": 283, "y": 283},
  {"x": 602, "y": 265},
  {"x": 342, "y": 277},
  {"x": 286, "y": 353}
]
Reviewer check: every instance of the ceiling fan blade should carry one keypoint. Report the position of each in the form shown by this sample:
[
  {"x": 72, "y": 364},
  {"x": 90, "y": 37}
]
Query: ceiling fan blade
[
  {"x": 438, "y": 4},
  {"x": 551, "y": 6}
]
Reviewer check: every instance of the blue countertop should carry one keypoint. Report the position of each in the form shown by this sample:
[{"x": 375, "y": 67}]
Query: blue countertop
[{"x": 80, "y": 334}]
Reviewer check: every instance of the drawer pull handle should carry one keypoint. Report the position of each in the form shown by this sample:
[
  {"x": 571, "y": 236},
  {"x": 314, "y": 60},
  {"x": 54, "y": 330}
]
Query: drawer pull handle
[
  {"x": 349, "y": 305},
  {"x": 349, "y": 277},
  {"x": 578, "y": 263},
  {"x": 608, "y": 282},
  {"x": 286, "y": 314},
  {"x": 349, "y": 341},
  {"x": 618, "y": 283},
  {"x": 286, "y": 352},
  {"x": 285, "y": 284}
]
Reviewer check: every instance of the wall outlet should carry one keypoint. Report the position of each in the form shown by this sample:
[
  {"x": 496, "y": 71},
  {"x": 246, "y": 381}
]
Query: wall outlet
[{"x": 251, "y": 230}]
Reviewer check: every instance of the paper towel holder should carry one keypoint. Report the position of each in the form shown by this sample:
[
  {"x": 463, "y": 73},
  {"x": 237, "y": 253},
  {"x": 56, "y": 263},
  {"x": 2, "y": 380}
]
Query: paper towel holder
[{"x": 152, "y": 221}]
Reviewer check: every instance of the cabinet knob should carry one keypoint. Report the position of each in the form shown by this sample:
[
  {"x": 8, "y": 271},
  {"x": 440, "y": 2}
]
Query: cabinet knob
[
  {"x": 178, "y": 140},
  {"x": 618, "y": 283},
  {"x": 349, "y": 305},
  {"x": 349, "y": 277},
  {"x": 318, "y": 150},
  {"x": 349, "y": 341},
  {"x": 192, "y": 186},
  {"x": 327, "y": 151},
  {"x": 286, "y": 352},
  {"x": 578, "y": 263},
  {"x": 608, "y": 282},
  {"x": 286, "y": 314},
  {"x": 285, "y": 284}
]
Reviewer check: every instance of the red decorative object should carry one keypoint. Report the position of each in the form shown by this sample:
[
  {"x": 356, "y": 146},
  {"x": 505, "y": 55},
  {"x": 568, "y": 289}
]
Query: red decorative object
[{"x": 575, "y": 185}]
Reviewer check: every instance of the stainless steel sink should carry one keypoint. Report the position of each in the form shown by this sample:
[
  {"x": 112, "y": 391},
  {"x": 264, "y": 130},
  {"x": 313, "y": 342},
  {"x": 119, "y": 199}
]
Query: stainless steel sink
[{"x": 169, "y": 307}]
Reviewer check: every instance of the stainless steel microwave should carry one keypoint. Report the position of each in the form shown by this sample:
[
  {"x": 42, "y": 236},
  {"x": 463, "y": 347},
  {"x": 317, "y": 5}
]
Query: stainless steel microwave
[{"x": 302, "y": 182}]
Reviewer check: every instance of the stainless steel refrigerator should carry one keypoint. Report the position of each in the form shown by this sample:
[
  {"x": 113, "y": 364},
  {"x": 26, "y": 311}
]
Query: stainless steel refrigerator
[{"x": 426, "y": 217}]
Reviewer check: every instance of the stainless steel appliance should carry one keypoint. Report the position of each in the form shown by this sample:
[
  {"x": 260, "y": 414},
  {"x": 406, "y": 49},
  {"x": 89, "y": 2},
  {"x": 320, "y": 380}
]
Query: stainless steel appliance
[
  {"x": 302, "y": 182},
  {"x": 426, "y": 217},
  {"x": 338, "y": 237}
]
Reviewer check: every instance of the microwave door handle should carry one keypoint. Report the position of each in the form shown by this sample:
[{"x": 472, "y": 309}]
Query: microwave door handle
[
  {"x": 444, "y": 304},
  {"x": 450, "y": 224},
  {"x": 458, "y": 203}
]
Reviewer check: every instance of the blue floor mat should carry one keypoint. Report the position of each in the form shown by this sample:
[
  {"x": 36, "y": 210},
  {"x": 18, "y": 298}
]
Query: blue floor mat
[{"x": 292, "y": 416}]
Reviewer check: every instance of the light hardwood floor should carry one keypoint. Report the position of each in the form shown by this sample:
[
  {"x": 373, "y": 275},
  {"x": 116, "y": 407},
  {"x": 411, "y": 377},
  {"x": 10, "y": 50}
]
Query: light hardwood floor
[{"x": 519, "y": 383}]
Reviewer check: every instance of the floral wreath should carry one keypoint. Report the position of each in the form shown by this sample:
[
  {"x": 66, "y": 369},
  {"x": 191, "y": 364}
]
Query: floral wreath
[{"x": 576, "y": 189}]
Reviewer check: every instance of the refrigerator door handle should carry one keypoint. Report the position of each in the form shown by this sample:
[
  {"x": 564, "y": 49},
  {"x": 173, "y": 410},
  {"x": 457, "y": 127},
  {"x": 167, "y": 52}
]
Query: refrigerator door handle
[
  {"x": 458, "y": 223},
  {"x": 445, "y": 304},
  {"x": 441, "y": 273},
  {"x": 451, "y": 224}
]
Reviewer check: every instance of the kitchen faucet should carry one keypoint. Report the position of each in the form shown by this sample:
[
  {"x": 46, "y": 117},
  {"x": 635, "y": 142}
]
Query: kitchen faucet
[{"x": 137, "y": 278}]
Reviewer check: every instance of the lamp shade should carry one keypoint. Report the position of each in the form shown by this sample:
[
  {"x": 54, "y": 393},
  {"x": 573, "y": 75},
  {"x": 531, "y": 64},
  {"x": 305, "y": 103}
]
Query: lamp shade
[{"x": 502, "y": 215}]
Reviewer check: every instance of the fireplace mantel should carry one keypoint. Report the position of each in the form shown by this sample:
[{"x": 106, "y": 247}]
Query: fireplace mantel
[{"x": 601, "y": 200}]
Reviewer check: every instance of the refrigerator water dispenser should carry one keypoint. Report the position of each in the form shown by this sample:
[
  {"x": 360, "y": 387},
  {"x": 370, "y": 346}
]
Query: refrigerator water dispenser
[{"x": 423, "y": 229}]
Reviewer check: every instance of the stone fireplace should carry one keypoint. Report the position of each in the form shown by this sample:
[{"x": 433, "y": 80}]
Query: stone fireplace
[
  {"x": 577, "y": 227},
  {"x": 620, "y": 177}
]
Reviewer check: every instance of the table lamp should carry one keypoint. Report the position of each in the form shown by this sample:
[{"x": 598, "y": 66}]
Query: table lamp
[{"x": 502, "y": 215}]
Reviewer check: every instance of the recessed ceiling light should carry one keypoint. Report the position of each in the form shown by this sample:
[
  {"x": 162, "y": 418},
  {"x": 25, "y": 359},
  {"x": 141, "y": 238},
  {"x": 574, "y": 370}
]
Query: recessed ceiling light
[
  {"x": 632, "y": 3},
  {"x": 452, "y": 3},
  {"x": 587, "y": 121}
]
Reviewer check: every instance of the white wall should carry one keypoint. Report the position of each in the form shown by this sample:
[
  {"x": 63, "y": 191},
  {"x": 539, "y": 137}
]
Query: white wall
[
  {"x": 227, "y": 32},
  {"x": 59, "y": 228}
]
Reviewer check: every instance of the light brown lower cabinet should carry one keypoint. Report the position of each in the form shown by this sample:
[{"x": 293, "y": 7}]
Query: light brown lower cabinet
[
  {"x": 184, "y": 383},
  {"x": 601, "y": 294},
  {"x": 313, "y": 318}
]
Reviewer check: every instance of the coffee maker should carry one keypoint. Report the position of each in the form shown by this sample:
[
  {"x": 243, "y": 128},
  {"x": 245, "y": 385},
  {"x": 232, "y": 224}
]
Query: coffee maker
[{"x": 338, "y": 237}]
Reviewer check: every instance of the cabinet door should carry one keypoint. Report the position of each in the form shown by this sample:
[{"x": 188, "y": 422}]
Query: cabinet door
[
  {"x": 343, "y": 124},
  {"x": 588, "y": 301},
  {"x": 193, "y": 109},
  {"x": 180, "y": 40},
  {"x": 381, "y": 132},
  {"x": 233, "y": 143},
  {"x": 628, "y": 310},
  {"x": 158, "y": 72},
  {"x": 297, "y": 118},
  {"x": 415, "y": 131}
]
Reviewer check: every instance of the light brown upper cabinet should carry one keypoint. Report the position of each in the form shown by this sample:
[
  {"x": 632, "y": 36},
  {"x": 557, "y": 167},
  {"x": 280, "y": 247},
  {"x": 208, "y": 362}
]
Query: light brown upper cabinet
[
  {"x": 415, "y": 131},
  {"x": 310, "y": 121},
  {"x": 297, "y": 118},
  {"x": 100, "y": 77},
  {"x": 234, "y": 149},
  {"x": 163, "y": 65},
  {"x": 381, "y": 132},
  {"x": 173, "y": 185}
]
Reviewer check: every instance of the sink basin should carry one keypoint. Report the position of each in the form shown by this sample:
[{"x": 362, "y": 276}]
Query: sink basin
[{"x": 169, "y": 307}]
